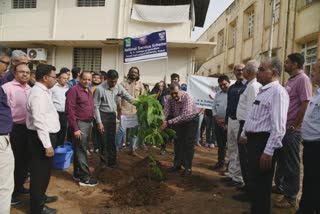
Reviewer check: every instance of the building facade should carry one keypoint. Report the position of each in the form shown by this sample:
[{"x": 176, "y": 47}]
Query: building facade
[
  {"x": 242, "y": 33},
  {"x": 89, "y": 33}
]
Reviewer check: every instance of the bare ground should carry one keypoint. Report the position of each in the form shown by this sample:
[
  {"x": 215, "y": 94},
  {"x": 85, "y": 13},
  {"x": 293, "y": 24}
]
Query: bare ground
[{"x": 129, "y": 189}]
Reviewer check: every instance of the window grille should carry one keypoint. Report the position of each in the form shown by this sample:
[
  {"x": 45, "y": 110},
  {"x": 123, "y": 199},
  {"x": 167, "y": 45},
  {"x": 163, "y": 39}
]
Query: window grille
[{"x": 87, "y": 58}]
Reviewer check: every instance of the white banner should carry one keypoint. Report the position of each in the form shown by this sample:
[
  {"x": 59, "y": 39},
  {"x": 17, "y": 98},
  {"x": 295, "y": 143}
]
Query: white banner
[
  {"x": 129, "y": 121},
  {"x": 161, "y": 14},
  {"x": 203, "y": 90}
]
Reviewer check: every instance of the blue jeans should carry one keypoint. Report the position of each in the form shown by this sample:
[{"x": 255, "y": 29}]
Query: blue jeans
[{"x": 121, "y": 133}]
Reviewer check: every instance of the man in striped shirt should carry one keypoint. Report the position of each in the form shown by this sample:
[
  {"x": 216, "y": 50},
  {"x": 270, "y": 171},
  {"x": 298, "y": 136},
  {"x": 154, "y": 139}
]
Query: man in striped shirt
[
  {"x": 263, "y": 131},
  {"x": 180, "y": 104}
]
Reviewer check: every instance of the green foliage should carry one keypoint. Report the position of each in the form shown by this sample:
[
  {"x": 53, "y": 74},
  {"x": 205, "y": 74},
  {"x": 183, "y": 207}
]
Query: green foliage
[
  {"x": 150, "y": 118},
  {"x": 155, "y": 168}
]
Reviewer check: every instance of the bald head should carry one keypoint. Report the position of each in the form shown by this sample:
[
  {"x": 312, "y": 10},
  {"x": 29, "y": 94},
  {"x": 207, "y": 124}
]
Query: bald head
[
  {"x": 238, "y": 71},
  {"x": 251, "y": 70}
]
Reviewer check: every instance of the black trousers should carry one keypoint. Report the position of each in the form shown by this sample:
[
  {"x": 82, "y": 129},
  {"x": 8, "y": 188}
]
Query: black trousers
[
  {"x": 221, "y": 137},
  {"x": 310, "y": 200},
  {"x": 184, "y": 143},
  {"x": 61, "y": 135},
  {"x": 259, "y": 182},
  {"x": 19, "y": 144},
  {"x": 40, "y": 171},
  {"x": 108, "y": 143},
  {"x": 243, "y": 156}
]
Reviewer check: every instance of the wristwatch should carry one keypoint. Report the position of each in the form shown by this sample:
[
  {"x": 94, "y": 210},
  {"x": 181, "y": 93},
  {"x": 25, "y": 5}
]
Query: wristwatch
[{"x": 292, "y": 128}]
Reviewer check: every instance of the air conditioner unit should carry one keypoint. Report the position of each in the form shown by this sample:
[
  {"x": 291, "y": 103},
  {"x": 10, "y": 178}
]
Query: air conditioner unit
[{"x": 37, "y": 54}]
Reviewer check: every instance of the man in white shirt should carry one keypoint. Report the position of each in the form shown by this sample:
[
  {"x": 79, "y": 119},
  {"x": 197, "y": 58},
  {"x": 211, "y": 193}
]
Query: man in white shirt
[
  {"x": 245, "y": 103},
  {"x": 265, "y": 127},
  {"x": 310, "y": 132},
  {"x": 59, "y": 100},
  {"x": 43, "y": 121}
]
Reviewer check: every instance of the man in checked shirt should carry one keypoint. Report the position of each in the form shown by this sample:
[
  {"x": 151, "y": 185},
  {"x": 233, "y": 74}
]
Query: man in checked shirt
[
  {"x": 180, "y": 104},
  {"x": 263, "y": 131}
]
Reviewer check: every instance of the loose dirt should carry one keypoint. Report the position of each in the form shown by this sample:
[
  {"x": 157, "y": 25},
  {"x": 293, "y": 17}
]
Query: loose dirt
[{"x": 131, "y": 190}]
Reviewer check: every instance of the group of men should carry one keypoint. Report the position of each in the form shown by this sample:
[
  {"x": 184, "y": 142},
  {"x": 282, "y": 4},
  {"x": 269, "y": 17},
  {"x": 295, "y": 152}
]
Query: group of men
[
  {"x": 41, "y": 115},
  {"x": 257, "y": 120},
  {"x": 263, "y": 124}
]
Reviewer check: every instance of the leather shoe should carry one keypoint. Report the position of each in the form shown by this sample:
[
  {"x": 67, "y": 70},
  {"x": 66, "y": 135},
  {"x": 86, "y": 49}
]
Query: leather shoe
[
  {"x": 186, "y": 172},
  {"x": 48, "y": 210},
  {"x": 217, "y": 166},
  {"x": 226, "y": 179},
  {"x": 50, "y": 199},
  {"x": 235, "y": 184},
  {"x": 23, "y": 191},
  {"x": 174, "y": 169}
]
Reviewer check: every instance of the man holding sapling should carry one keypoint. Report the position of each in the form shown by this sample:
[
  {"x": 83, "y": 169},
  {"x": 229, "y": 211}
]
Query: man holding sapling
[{"x": 180, "y": 104}]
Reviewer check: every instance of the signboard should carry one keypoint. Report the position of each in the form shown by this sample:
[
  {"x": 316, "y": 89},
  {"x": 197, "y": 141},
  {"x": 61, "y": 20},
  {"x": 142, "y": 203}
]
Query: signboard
[
  {"x": 129, "y": 121},
  {"x": 148, "y": 47},
  {"x": 203, "y": 90}
]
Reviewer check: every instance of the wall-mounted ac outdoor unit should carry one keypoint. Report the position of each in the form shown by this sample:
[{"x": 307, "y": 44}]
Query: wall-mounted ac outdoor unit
[{"x": 37, "y": 54}]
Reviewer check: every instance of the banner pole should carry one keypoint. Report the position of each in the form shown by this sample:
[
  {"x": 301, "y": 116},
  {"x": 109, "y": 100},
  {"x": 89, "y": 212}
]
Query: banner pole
[{"x": 166, "y": 71}]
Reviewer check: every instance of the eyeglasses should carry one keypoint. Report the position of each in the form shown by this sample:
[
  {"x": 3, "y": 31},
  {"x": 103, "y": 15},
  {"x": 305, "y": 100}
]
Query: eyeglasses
[
  {"x": 51, "y": 76},
  {"x": 24, "y": 72},
  {"x": 4, "y": 62},
  {"x": 239, "y": 69}
]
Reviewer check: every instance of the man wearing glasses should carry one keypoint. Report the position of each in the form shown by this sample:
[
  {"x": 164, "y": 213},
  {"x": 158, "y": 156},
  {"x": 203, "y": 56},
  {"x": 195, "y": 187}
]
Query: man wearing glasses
[
  {"x": 17, "y": 57},
  {"x": 17, "y": 91},
  {"x": 43, "y": 122},
  {"x": 234, "y": 176}
]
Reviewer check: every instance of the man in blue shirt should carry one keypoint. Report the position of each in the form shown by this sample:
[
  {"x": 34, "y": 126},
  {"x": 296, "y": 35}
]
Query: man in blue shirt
[
  {"x": 6, "y": 155},
  {"x": 234, "y": 176}
]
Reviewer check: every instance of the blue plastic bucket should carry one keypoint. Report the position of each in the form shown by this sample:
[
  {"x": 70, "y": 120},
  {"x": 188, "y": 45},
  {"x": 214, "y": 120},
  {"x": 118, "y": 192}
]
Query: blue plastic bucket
[
  {"x": 67, "y": 145},
  {"x": 62, "y": 158}
]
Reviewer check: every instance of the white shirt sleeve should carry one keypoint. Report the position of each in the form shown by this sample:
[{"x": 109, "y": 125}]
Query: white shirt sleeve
[
  {"x": 38, "y": 106},
  {"x": 279, "y": 111}
]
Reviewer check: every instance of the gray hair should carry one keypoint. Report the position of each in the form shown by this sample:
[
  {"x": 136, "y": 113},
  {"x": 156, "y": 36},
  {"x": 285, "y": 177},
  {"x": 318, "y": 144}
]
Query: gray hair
[
  {"x": 252, "y": 66},
  {"x": 174, "y": 85},
  {"x": 17, "y": 54},
  {"x": 5, "y": 51},
  {"x": 276, "y": 64}
]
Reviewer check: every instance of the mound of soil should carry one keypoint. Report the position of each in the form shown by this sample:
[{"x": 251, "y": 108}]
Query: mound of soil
[{"x": 142, "y": 187}]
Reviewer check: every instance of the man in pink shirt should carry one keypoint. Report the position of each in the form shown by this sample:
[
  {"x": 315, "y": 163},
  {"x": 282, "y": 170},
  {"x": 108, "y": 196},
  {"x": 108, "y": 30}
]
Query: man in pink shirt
[
  {"x": 299, "y": 88},
  {"x": 17, "y": 91}
]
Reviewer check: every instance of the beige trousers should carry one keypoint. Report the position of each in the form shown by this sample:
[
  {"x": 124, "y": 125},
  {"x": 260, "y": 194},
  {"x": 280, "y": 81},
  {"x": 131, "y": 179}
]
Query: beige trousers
[{"x": 6, "y": 174}]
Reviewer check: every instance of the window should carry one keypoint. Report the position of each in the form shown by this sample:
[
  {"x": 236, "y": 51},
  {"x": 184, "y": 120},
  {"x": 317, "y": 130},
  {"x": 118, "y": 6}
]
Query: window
[
  {"x": 232, "y": 33},
  {"x": 309, "y": 1},
  {"x": 91, "y": 3},
  {"x": 87, "y": 58},
  {"x": 220, "y": 41},
  {"x": 23, "y": 4},
  {"x": 268, "y": 12},
  {"x": 277, "y": 11},
  {"x": 248, "y": 23},
  {"x": 309, "y": 51},
  {"x": 162, "y": 2}
]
